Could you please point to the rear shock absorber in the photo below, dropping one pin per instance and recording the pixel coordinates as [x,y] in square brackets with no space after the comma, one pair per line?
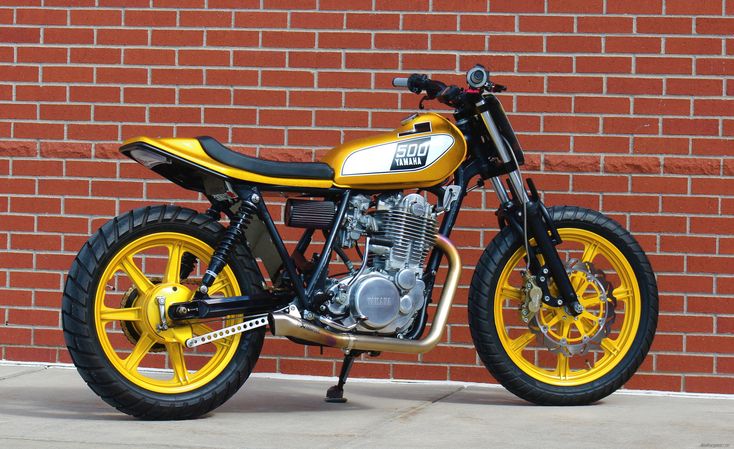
[237,227]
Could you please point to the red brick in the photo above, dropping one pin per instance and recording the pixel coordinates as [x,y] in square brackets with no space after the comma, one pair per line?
[603,64]
[68,35]
[205,19]
[42,54]
[121,36]
[690,205]
[463,42]
[149,56]
[662,106]
[575,84]
[714,66]
[482,22]
[663,65]
[698,166]
[697,46]
[360,21]
[711,25]
[428,61]
[645,86]
[516,6]
[458,5]
[317,20]
[716,108]
[605,24]
[660,145]
[690,126]
[177,38]
[664,25]
[545,64]
[682,7]
[149,18]
[627,44]
[19,35]
[231,38]
[712,147]
[710,384]
[575,44]
[98,16]
[684,363]
[631,125]
[638,7]
[401,41]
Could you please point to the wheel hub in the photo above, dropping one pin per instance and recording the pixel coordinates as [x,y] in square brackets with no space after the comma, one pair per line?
[562,332]
[151,323]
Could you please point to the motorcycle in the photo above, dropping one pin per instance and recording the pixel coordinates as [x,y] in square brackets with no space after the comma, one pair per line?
[165,308]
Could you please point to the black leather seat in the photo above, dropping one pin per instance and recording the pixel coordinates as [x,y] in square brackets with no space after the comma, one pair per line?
[308,170]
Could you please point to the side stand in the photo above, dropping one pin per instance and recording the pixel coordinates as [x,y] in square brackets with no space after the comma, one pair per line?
[336,393]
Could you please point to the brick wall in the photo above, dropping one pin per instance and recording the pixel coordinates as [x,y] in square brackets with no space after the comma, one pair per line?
[623,106]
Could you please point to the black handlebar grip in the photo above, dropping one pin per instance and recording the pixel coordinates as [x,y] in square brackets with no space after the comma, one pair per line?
[400,82]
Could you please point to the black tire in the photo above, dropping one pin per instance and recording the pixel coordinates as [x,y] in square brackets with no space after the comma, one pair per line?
[79,323]
[519,379]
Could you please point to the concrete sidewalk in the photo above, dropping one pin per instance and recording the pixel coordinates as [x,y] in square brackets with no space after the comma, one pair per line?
[52,407]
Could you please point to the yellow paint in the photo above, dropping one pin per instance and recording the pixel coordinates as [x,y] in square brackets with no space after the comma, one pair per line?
[191,150]
[430,176]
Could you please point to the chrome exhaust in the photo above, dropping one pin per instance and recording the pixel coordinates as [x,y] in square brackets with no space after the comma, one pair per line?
[291,325]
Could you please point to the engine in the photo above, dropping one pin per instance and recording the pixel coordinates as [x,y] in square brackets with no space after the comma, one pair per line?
[387,292]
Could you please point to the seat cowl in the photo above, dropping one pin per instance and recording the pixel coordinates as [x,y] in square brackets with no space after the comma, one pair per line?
[275,169]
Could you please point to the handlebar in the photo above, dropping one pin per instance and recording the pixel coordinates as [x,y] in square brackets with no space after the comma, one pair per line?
[448,95]
[400,82]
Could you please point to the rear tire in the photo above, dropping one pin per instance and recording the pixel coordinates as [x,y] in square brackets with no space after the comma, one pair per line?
[97,324]
[504,342]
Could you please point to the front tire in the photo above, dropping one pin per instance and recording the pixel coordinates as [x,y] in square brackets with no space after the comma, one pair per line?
[111,318]
[541,362]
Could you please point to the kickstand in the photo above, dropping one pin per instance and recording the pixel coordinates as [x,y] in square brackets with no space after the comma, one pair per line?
[336,392]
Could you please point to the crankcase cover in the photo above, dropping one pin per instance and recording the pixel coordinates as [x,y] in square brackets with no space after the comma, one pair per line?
[375,301]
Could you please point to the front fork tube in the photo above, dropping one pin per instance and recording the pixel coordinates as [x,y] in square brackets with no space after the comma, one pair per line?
[541,228]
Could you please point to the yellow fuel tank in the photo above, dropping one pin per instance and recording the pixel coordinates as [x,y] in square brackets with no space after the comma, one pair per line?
[422,152]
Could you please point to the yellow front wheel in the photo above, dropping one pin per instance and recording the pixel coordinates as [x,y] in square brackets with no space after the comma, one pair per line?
[547,355]
[132,266]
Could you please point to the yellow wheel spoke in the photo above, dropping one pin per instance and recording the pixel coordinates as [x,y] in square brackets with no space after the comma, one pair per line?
[129,314]
[565,327]
[518,344]
[556,318]
[511,292]
[137,277]
[219,285]
[176,359]
[610,347]
[622,294]
[578,282]
[201,329]
[591,317]
[562,367]
[581,327]
[590,251]
[145,342]
[173,268]
[589,300]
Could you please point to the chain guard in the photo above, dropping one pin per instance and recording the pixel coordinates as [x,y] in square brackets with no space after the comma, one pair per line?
[597,279]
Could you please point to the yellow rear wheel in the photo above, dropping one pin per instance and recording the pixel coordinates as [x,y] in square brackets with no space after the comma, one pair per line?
[178,373]
[556,358]
[129,354]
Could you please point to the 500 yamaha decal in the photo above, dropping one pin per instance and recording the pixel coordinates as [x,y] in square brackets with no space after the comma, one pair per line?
[398,156]
[411,154]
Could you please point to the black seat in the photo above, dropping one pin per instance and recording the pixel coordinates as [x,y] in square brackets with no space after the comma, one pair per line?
[308,170]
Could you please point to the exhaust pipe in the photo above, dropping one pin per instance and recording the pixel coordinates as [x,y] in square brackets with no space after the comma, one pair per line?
[286,325]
